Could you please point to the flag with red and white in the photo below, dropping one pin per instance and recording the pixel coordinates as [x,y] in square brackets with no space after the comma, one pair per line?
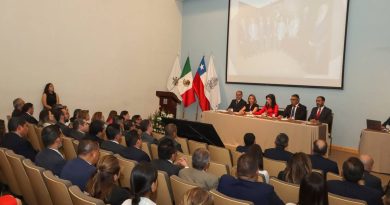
[185,85]
[198,85]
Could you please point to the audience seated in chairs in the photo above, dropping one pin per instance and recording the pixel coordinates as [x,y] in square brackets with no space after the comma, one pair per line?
[249,139]
[297,168]
[246,186]
[318,161]
[369,179]
[46,118]
[79,170]
[28,111]
[96,131]
[147,129]
[167,155]
[197,173]
[279,152]
[353,170]
[171,133]
[256,152]
[103,185]
[15,139]
[143,182]
[198,196]
[313,190]
[114,136]
[79,128]
[51,158]
[133,150]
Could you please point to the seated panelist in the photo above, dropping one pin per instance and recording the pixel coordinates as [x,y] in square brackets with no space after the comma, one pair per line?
[251,106]
[295,110]
[270,108]
[237,104]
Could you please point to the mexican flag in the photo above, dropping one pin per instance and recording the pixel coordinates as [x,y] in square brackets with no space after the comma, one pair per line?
[185,84]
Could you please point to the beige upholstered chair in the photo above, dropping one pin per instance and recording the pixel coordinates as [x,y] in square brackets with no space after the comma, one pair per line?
[21,177]
[221,199]
[68,147]
[79,198]
[154,151]
[9,174]
[146,149]
[33,137]
[187,157]
[193,145]
[340,200]
[235,156]
[58,188]
[123,141]
[273,166]
[286,191]
[180,187]
[220,155]
[333,176]
[164,193]
[38,130]
[184,144]
[127,166]
[104,152]
[34,173]
[218,169]
[76,145]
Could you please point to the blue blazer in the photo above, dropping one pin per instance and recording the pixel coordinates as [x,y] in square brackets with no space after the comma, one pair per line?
[355,191]
[78,171]
[256,192]
[321,163]
[19,145]
[112,146]
[278,153]
[135,154]
[51,160]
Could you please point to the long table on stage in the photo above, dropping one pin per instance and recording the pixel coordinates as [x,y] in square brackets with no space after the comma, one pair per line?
[377,145]
[231,129]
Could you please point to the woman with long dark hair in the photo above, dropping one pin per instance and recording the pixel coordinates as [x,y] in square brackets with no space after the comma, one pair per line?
[256,152]
[297,168]
[49,97]
[313,190]
[143,182]
[270,108]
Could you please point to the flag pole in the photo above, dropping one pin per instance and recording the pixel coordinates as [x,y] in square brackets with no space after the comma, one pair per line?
[183,111]
[197,111]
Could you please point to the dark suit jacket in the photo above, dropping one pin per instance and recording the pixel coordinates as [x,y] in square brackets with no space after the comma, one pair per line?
[16,113]
[355,191]
[51,160]
[78,171]
[118,196]
[324,164]
[148,138]
[135,154]
[278,153]
[30,119]
[177,145]
[256,192]
[19,145]
[166,166]
[372,182]
[325,116]
[65,129]
[75,134]
[242,149]
[93,138]
[237,106]
[112,146]
[300,112]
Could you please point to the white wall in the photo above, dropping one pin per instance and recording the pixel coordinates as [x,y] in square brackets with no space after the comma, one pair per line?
[99,54]
[366,74]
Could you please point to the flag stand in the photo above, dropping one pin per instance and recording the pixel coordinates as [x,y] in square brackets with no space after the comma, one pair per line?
[183,111]
[197,111]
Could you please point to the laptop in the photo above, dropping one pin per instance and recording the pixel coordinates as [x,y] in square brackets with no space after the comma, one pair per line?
[374,125]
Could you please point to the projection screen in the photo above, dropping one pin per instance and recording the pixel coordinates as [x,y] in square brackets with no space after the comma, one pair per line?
[287,42]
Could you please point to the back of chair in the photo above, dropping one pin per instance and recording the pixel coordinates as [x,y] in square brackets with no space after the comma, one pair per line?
[184,144]
[58,188]
[154,151]
[221,199]
[127,166]
[235,156]
[218,169]
[69,150]
[9,174]
[79,198]
[333,176]
[180,187]
[164,193]
[273,166]
[187,157]
[220,155]
[286,191]
[38,130]
[156,135]
[123,141]
[104,152]
[34,173]
[33,137]
[340,200]
[21,177]
[145,148]
[193,145]
[318,171]
[75,145]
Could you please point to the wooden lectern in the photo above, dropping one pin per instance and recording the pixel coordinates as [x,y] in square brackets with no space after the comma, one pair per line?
[168,102]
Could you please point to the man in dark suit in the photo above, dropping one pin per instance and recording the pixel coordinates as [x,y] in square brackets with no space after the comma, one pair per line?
[96,131]
[369,179]
[353,170]
[114,135]
[15,139]
[79,170]
[59,115]
[246,187]
[237,104]
[167,161]
[318,161]
[171,133]
[50,158]
[295,110]
[249,140]
[28,111]
[133,150]
[279,152]
[18,105]
[321,113]
[79,128]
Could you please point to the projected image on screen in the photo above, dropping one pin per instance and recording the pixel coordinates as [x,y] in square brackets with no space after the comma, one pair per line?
[287,42]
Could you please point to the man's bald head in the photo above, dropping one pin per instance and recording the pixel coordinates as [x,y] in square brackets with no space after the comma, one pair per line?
[367,161]
[320,147]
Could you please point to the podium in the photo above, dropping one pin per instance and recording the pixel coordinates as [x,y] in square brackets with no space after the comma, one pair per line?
[168,102]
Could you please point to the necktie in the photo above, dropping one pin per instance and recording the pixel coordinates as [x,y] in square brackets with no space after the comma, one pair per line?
[293,112]
[318,113]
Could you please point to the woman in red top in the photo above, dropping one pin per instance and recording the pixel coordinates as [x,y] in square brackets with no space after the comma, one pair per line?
[270,108]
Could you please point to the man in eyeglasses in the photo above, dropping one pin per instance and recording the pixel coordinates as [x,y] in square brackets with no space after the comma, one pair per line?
[295,110]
